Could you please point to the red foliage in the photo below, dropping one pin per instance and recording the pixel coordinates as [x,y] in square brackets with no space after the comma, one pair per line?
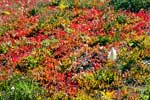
[16,55]
[139,27]
[38,38]
[72,90]
[59,33]
[143,15]
[21,33]
[80,49]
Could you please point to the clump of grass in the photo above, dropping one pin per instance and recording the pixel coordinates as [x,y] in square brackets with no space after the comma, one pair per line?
[19,87]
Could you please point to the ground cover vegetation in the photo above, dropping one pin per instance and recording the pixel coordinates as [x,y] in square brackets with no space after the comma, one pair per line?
[61,50]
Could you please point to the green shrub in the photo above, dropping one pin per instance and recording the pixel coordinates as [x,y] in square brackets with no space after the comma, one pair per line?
[128,60]
[3,61]
[121,19]
[136,43]
[33,12]
[55,2]
[29,62]
[4,29]
[108,26]
[133,5]
[19,87]
[3,48]
[105,76]
[85,4]
[145,93]
[63,3]
[103,40]
[77,3]
[67,3]
[47,42]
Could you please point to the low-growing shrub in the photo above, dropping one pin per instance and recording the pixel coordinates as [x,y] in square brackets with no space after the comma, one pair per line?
[145,93]
[4,29]
[3,48]
[19,87]
[121,19]
[33,12]
[108,26]
[29,62]
[105,76]
[63,3]
[133,5]
[103,40]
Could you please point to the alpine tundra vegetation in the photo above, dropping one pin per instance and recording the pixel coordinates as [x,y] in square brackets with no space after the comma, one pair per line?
[74,49]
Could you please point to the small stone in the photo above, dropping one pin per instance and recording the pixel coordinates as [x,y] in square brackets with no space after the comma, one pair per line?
[112,54]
